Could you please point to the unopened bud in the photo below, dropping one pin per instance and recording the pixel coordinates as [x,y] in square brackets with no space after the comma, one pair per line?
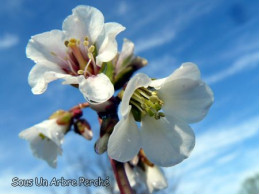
[57,114]
[83,128]
[101,144]
[77,113]
[63,117]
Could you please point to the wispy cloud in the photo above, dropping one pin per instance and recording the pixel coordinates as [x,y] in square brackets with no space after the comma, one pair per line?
[154,40]
[8,41]
[160,66]
[123,7]
[11,6]
[216,159]
[181,18]
[9,173]
[223,137]
[245,62]
[227,158]
[165,30]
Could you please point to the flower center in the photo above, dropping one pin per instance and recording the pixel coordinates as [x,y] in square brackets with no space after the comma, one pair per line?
[145,101]
[79,58]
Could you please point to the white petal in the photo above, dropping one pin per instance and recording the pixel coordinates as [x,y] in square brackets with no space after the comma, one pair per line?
[127,51]
[46,46]
[96,89]
[166,142]
[187,70]
[106,42]
[139,80]
[84,21]
[52,130]
[48,148]
[45,150]
[155,179]
[124,142]
[131,175]
[157,83]
[186,99]
[40,75]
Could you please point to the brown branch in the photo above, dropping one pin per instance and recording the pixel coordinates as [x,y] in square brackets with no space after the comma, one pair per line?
[121,177]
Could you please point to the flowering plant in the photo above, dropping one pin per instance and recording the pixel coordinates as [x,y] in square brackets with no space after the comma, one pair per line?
[154,128]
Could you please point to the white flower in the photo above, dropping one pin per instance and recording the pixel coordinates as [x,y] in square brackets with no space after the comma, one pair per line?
[125,56]
[145,180]
[154,178]
[75,52]
[125,64]
[45,140]
[164,133]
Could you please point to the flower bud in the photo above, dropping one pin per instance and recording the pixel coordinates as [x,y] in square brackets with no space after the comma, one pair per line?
[62,117]
[77,113]
[101,144]
[83,128]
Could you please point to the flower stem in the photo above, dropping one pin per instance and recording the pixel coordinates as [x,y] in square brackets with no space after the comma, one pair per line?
[107,121]
[121,177]
[80,106]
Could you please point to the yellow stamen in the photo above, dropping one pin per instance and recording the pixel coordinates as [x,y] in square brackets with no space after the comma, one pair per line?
[80,72]
[73,44]
[91,49]
[86,43]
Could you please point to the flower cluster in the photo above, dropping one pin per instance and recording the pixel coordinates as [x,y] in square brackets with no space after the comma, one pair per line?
[155,113]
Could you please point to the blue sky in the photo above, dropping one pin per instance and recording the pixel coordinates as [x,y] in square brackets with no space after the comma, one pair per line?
[221,37]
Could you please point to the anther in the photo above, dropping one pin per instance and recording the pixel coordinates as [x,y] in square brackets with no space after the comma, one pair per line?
[86,43]
[42,136]
[80,72]
[91,49]
[73,42]
[66,43]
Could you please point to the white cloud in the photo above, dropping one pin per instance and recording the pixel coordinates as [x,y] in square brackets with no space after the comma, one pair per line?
[156,40]
[181,18]
[220,139]
[8,41]
[227,158]
[9,173]
[218,163]
[245,62]
[175,25]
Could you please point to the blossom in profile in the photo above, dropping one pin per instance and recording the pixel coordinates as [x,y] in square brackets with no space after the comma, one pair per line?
[46,138]
[164,108]
[151,176]
[76,54]
[126,63]
[154,179]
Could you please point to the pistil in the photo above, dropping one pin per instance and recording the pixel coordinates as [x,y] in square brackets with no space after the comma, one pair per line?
[74,45]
